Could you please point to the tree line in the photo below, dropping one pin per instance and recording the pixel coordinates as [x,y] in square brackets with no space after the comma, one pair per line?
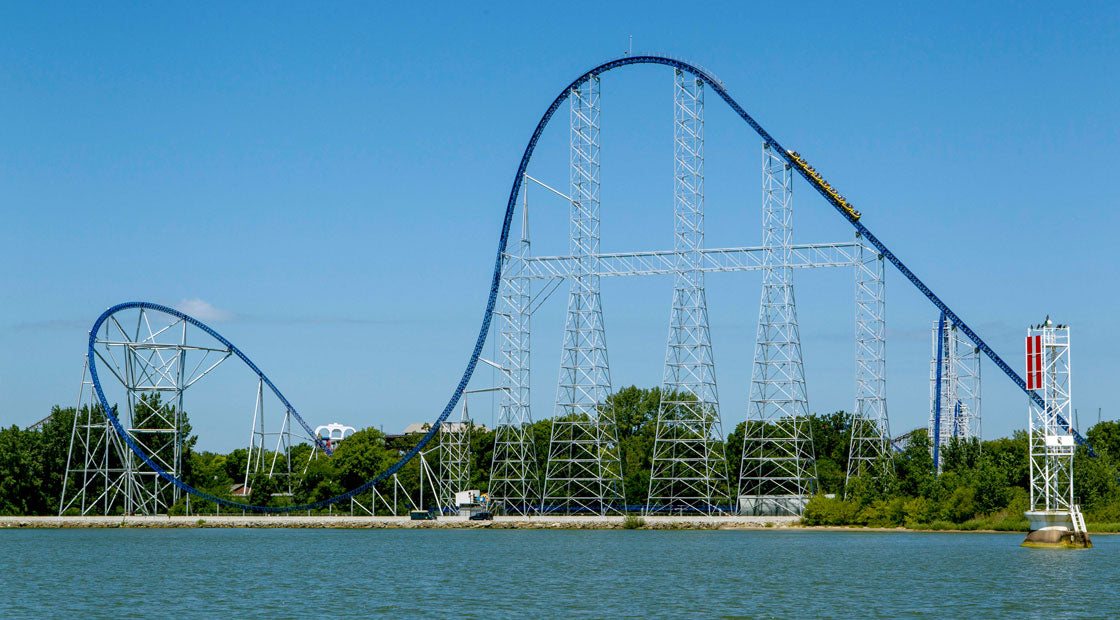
[982,484]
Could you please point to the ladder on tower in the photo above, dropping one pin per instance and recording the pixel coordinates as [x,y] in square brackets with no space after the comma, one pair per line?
[1078,520]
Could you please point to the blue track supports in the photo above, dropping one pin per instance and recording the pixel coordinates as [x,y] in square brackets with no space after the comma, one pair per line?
[940,371]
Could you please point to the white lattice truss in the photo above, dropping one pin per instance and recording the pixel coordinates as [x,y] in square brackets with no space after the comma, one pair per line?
[583,469]
[960,399]
[870,446]
[1052,445]
[584,472]
[155,364]
[688,469]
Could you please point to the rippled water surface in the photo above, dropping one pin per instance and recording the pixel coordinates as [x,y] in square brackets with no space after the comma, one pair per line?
[505,573]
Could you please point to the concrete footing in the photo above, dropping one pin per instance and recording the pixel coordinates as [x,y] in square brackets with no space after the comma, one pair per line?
[772,505]
[1054,530]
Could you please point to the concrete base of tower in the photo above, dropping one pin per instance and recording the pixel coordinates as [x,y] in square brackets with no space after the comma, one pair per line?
[772,505]
[1053,529]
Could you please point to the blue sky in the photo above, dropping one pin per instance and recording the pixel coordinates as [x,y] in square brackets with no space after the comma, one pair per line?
[326,184]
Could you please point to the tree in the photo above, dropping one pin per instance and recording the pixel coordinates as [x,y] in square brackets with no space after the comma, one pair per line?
[635,411]
[361,456]
[1105,437]
[262,487]
[635,414]
[21,473]
[319,481]
[832,441]
[53,447]
[914,467]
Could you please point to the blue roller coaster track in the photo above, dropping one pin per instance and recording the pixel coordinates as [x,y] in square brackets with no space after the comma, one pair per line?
[472,362]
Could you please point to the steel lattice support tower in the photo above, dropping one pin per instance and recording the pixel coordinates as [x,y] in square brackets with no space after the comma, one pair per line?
[954,379]
[260,439]
[153,373]
[778,471]
[1052,445]
[149,359]
[688,470]
[455,458]
[584,472]
[870,432]
[513,472]
[98,462]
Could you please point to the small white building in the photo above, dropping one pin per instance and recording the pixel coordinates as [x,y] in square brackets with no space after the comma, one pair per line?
[335,432]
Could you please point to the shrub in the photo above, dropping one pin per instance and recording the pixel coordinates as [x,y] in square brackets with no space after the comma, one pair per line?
[823,510]
[883,513]
[918,511]
[633,522]
[960,505]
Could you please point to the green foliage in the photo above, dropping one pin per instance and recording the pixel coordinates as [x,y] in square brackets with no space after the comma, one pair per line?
[635,413]
[960,506]
[1105,438]
[361,457]
[633,522]
[21,473]
[831,443]
[261,489]
[884,513]
[983,485]
[823,510]
[318,482]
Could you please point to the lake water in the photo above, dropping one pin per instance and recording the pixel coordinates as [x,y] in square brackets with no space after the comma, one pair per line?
[534,573]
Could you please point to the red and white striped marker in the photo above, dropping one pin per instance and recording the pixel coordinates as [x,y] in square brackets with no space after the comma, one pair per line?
[1034,362]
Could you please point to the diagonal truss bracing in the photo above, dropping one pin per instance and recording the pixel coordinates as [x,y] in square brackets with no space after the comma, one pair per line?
[716,260]
[870,430]
[584,472]
[513,472]
[149,356]
[1051,435]
[954,379]
[688,471]
[778,471]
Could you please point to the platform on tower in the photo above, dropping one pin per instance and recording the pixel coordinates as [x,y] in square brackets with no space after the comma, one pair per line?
[1055,529]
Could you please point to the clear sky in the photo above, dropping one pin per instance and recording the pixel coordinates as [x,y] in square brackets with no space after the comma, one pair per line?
[325,185]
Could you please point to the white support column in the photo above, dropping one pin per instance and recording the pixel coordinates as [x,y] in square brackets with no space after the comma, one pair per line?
[688,470]
[1055,518]
[584,473]
[1052,444]
[513,473]
[870,432]
[778,470]
[955,398]
[454,458]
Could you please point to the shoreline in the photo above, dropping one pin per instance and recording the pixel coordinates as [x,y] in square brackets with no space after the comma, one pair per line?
[387,522]
[453,522]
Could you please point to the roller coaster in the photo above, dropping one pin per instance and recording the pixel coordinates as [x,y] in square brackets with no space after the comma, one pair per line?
[585,84]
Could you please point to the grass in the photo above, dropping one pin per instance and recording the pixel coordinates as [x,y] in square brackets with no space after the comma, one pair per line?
[633,522]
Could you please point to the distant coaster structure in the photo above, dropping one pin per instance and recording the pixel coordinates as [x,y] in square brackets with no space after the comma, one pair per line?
[688,473]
